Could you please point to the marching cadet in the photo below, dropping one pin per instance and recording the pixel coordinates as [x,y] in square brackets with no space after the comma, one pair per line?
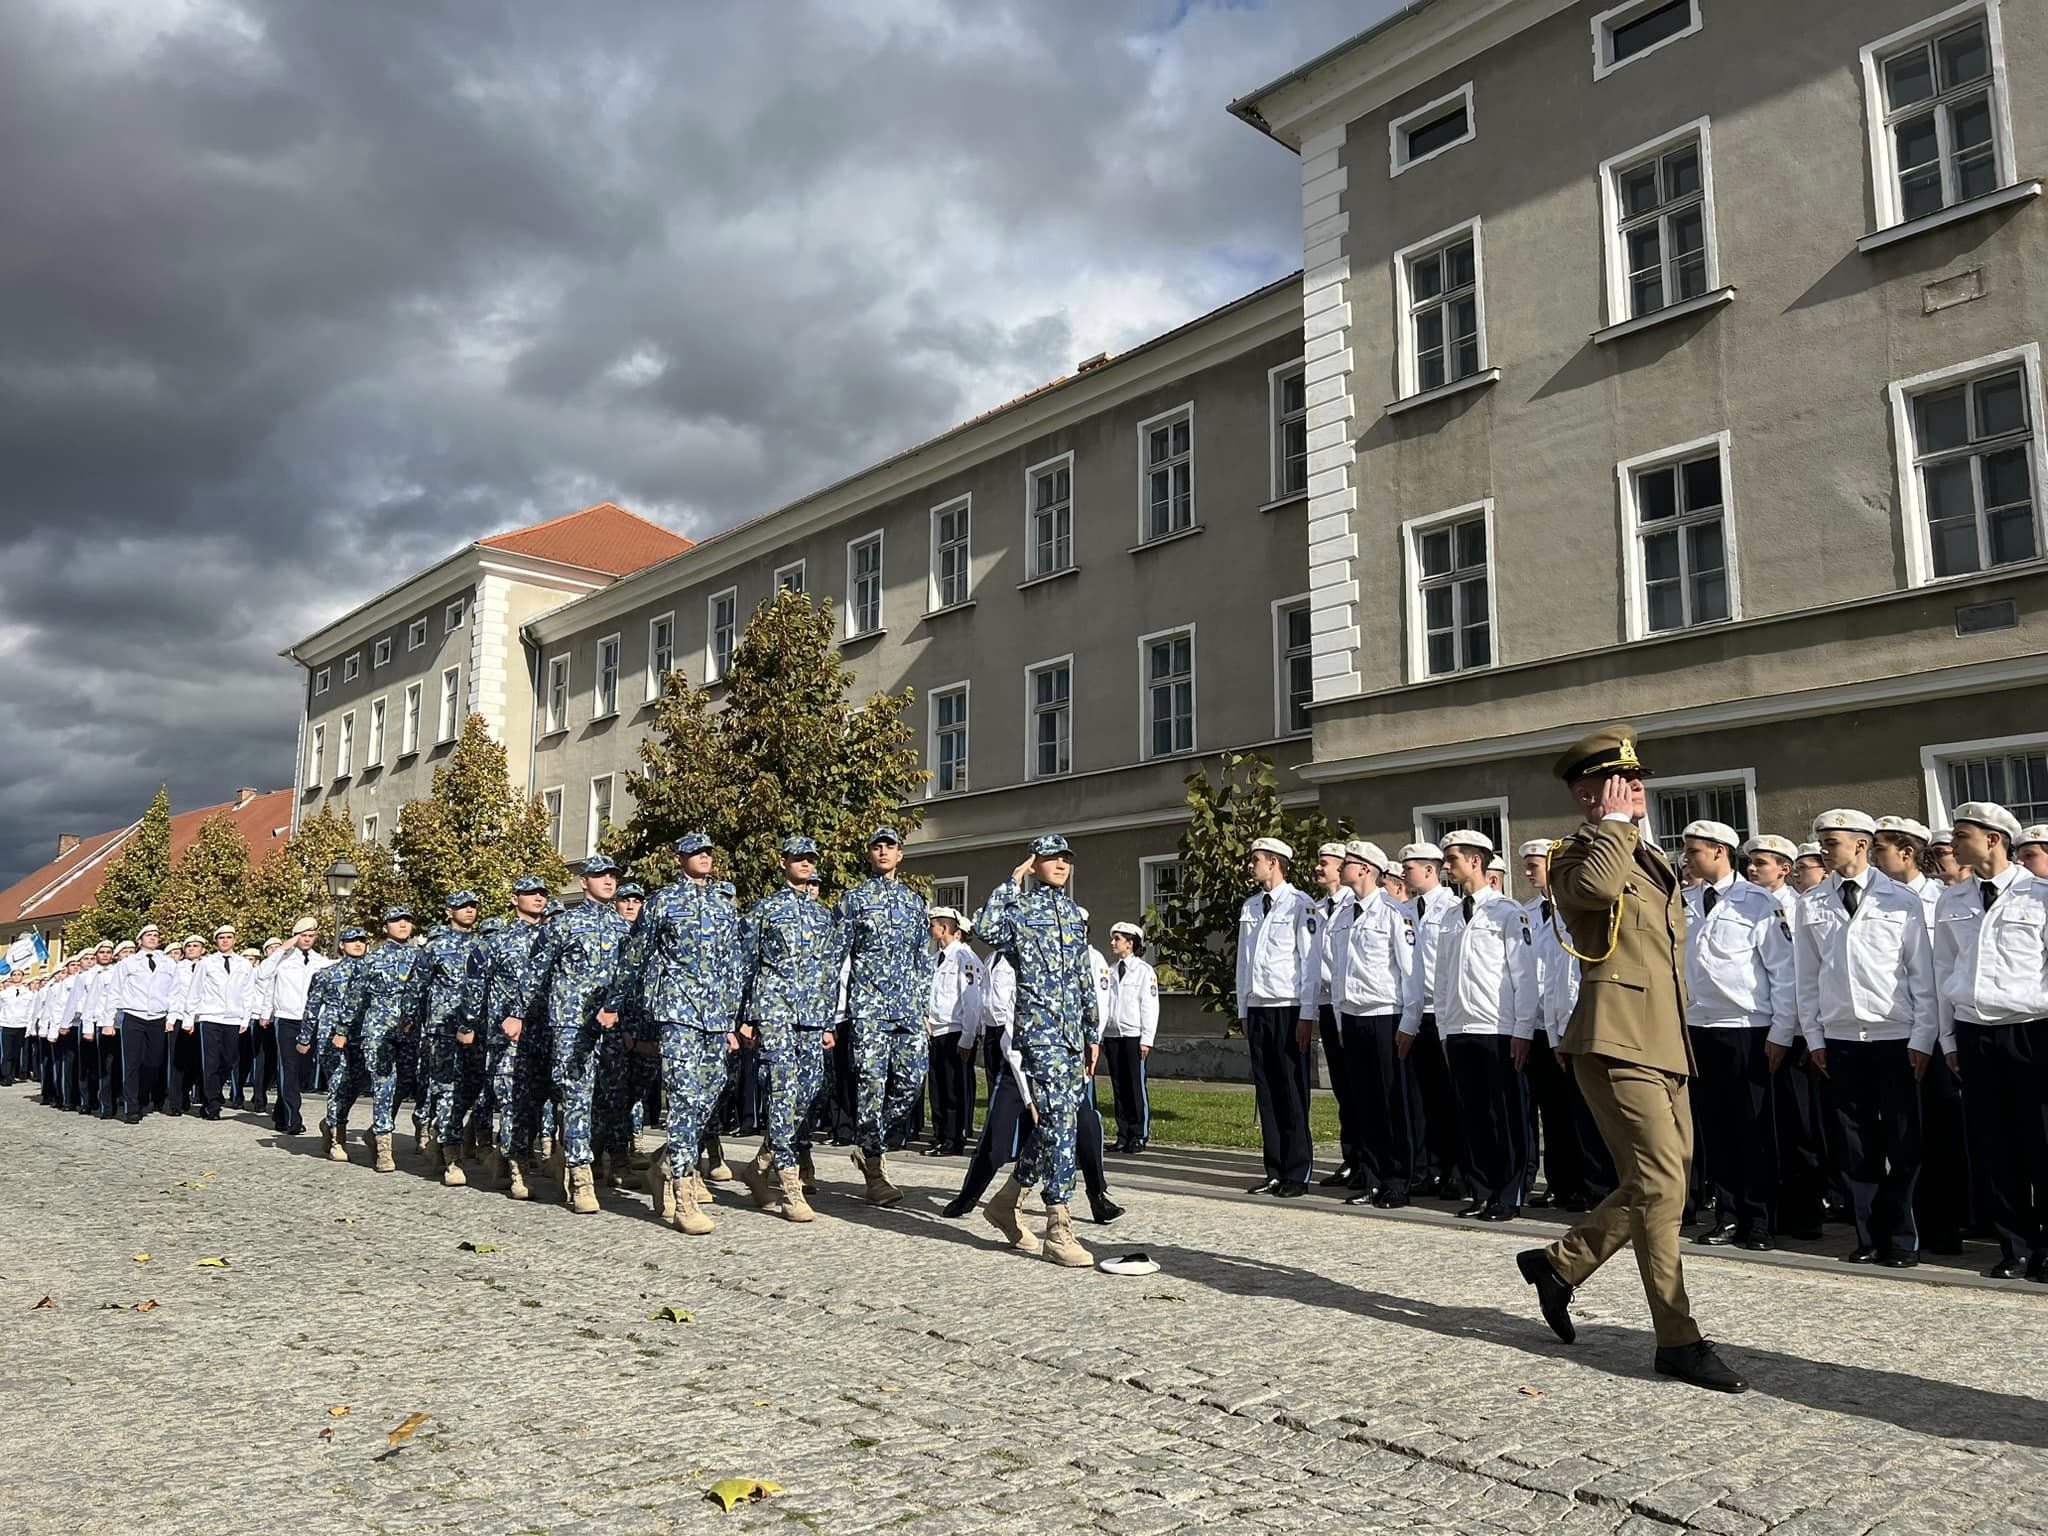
[332,996]
[882,940]
[1056,1024]
[2032,850]
[261,1039]
[1372,951]
[1010,1114]
[450,1060]
[60,1032]
[1809,869]
[789,984]
[955,998]
[1577,1172]
[1867,1009]
[219,997]
[84,1004]
[1767,865]
[1486,1012]
[385,1003]
[1276,958]
[685,955]
[1941,856]
[1497,873]
[285,978]
[187,1060]
[106,1089]
[142,1002]
[13,1027]
[1433,1114]
[517,1051]
[618,1059]
[1332,908]
[1739,985]
[1991,969]
[1130,1023]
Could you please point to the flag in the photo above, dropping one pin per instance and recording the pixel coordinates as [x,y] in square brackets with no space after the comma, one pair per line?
[31,949]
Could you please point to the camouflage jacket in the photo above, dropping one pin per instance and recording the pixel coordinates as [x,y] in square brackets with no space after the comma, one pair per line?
[684,956]
[451,956]
[334,993]
[575,966]
[882,936]
[391,993]
[497,981]
[786,948]
[1042,933]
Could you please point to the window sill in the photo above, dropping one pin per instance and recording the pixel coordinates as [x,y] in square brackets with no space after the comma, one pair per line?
[1168,757]
[1668,313]
[1058,575]
[604,714]
[553,730]
[934,613]
[863,637]
[1166,538]
[449,741]
[1990,573]
[1296,499]
[1479,380]
[2018,192]
[409,753]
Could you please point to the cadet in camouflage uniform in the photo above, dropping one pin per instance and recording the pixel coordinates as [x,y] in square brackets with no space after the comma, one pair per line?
[516,1047]
[327,1000]
[882,939]
[575,972]
[786,954]
[685,957]
[617,1071]
[1046,939]
[384,1006]
[449,1054]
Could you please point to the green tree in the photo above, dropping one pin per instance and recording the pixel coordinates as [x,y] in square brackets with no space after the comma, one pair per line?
[471,830]
[1192,932]
[785,751]
[381,885]
[129,892]
[291,882]
[206,885]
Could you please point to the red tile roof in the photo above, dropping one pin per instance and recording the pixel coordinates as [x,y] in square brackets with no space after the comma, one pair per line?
[604,538]
[59,891]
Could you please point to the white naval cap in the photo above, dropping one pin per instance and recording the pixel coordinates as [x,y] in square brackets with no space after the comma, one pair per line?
[1905,824]
[305,925]
[225,928]
[1331,850]
[1982,813]
[146,928]
[1272,845]
[1770,842]
[1128,930]
[1361,852]
[1535,848]
[2037,833]
[1943,836]
[1422,851]
[1713,832]
[1497,865]
[191,938]
[1808,851]
[1843,819]
[951,915]
[1467,839]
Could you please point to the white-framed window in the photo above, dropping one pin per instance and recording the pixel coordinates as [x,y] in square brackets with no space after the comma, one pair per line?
[351,666]
[1938,113]
[1166,474]
[1490,816]
[555,714]
[415,634]
[947,752]
[1679,554]
[1624,33]
[951,891]
[1287,403]
[1430,129]
[1158,880]
[1049,516]
[2011,771]
[1294,666]
[316,755]
[369,829]
[1441,284]
[1675,803]
[721,632]
[345,760]
[864,585]
[551,802]
[1659,203]
[1451,621]
[604,693]
[790,577]
[380,654]
[451,703]
[661,652]
[1049,718]
[952,550]
[1972,464]
[322,680]
[409,722]
[600,810]
[1166,663]
[451,617]
[373,754]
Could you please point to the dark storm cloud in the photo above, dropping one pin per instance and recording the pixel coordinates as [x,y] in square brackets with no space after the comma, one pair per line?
[285,277]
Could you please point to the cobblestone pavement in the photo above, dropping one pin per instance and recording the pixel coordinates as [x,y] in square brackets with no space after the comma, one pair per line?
[1293,1368]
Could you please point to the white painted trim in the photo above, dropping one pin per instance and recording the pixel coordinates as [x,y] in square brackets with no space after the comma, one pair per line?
[316,757]
[713,672]
[370,826]
[448,730]
[1406,381]
[964,687]
[1279,607]
[966,904]
[802,579]
[591,829]
[380,653]
[352,666]
[322,681]
[1146,864]
[416,635]
[550,724]
[1746,777]
[560,812]
[1884,176]
[848,632]
[1427,112]
[1604,26]
[345,747]
[1145,752]
[1614,259]
[1186,408]
[1275,456]
[597,709]
[654,678]
[1031,474]
[1031,670]
[1912,499]
[379,727]
[933,599]
[1934,757]
[1495,803]
[1417,670]
[1635,596]
[452,614]
[412,715]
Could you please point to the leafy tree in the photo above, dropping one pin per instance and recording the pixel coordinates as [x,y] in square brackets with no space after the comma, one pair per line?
[784,752]
[381,885]
[133,881]
[471,830]
[205,888]
[291,882]
[1192,932]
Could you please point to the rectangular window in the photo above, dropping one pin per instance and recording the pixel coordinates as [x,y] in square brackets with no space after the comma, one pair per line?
[351,667]
[1287,387]
[451,617]
[369,829]
[1443,338]
[1167,448]
[1430,129]
[600,810]
[864,586]
[1294,666]
[721,630]
[1049,505]
[1169,704]
[950,553]
[661,653]
[380,654]
[1659,199]
[451,703]
[415,634]
[1049,695]
[1450,607]
[605,696]
[409,725]
[1158,882]
[2014,775]
[373,756]
[1677,803]
[555,715]
[790,578]
[949,740]
[951,891]
[321,681]
[316,754]
[1972,493]
[1681,559]
[1938,125]
[1434,822]
[551,802]
[1625,33]
[346,761]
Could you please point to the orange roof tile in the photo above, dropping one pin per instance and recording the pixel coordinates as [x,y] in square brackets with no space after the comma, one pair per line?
[604,538]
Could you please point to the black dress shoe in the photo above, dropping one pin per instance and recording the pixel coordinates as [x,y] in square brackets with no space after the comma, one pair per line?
[131,1119]
[1387,1202]
[1265,1187]
[1291,1191]
[1106,1210]
[209,1114]
[957,1207]
[1541,1202]
[1475,1208]
[1577,1204]
[2004,1269]
[2037,1269]
[1698,1365]
[1754,1244]
[1362,1198]
[1332,1180]
[1552,1294]
[1860,1255]
[1451,1187]
[1499,1212]
[1719,1237]
[1805,1234]
[932,1151]
[1900,1258]
[1425,1189]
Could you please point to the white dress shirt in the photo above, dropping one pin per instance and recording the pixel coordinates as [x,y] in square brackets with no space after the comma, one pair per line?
[1929,891]
[1332,911]
[1130,1001]
[221,989]
[14,1007]
[1557,973]
[146,983]
[284,978]
[1485,970]
[1991,964]
[1738,960]
[999,1016]
[955,992]
[1377,950]
[53,1012]
[1276,949]
[1420,998]
[1866,978]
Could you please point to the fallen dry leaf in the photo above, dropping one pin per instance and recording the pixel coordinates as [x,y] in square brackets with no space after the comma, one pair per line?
[1530,1391]
[466,1247]
[346,1221]
[146,1306]
[892,1389]
[338,1411]
[327,1433]
[216,1262]
[729,1491]
[671,1315]
[208,1173]
[45,1302]
[407,1430]
[142,1258]
[1164,1296]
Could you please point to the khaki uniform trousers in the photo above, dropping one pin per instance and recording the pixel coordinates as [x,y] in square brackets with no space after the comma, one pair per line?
[1645,1117]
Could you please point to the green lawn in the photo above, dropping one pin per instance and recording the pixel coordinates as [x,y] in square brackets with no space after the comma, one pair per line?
[1189,1114]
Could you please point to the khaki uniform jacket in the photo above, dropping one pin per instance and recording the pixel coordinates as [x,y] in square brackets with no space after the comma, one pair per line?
[1632,1004]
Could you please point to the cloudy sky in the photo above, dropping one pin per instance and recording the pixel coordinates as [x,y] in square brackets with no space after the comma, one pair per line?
[300,295]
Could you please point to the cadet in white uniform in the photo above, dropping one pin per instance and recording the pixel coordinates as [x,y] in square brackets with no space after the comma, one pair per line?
[1433,1110]
[1331,908]
[145,985]
[1276,953]
[1372,946]
[284,978]
[13,1028]
[1767,863]
[220,998]
[955,999]
[2031,850]
[1130,1022]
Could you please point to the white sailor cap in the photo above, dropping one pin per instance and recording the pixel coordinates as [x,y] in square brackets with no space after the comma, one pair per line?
[1330,850]
[1272,845]
[1944,835]
[1535,848]
[1808,851]
[1982,813]
[225,928]
[948,914]
[1770,842]
[1497,864]
[2037,833]
[191,938]
[126,946]
[1128,930]
[146,928]
[1905,824]
[1428,851]
[1713,832]
[1361,852]
[1843,819]
[305,925]
[1467,839]
[104,944]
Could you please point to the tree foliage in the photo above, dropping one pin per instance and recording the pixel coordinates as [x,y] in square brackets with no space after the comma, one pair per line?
[1193,931]
[779,750]
[205,888]
[135,878]
[291,882]
[470,830]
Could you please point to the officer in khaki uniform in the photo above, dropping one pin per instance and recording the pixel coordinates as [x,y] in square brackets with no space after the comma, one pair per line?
[1618,901]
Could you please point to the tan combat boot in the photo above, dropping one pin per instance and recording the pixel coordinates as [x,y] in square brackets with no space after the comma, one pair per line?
[382,1146]
[754,1173]
[699,1190]
[335,1142]
[1061,1246]
[713,1164]
[1001,1213]
[880,1190]
[582,1191]
[661,1188]
[515,1179]
[794,1206]
[554,1160]
[689,1215]
[807,1171]
[451,1169]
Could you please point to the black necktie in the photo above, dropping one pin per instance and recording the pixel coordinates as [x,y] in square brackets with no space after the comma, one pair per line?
[1418,906]
[1546,909]
[1266,905]
[305,957]
[152,962]
[226,965]
[1990,890]
[1709,901]
[1468,909]
[1119,970]
[1852,896]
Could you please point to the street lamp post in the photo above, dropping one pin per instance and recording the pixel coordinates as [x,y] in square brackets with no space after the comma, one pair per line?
[341,880]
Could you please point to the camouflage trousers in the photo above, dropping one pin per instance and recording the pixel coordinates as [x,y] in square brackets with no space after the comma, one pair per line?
[611,1111]
[456,1089]
[375,1052]
[889,1063]
[692,1078]
[517,1072]
[573,1078]
[343,1070]
[1058,1079]
[407,1072]
[796,1076]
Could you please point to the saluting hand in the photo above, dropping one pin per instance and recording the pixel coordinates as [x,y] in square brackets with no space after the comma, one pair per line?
[1617,797]
[1021,871]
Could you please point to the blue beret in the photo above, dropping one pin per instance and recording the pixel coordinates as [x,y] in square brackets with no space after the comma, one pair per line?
[694,842]
[1045,847]
[799,848]
[355,936]
[529,885]
[598,864]
[884,835]
[632,888]
[393,914]
[463,898]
